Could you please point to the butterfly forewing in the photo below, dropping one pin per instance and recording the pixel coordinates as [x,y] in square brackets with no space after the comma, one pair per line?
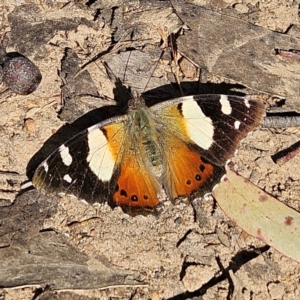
[215,124]
[87,165]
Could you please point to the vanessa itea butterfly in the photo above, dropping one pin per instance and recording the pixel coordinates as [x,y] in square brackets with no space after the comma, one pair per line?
[179,146]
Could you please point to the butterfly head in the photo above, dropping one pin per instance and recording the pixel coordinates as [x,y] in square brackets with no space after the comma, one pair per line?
[137,102]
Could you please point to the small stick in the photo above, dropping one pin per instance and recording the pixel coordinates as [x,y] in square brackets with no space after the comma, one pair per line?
[281,121]
[289,53]
[287,154]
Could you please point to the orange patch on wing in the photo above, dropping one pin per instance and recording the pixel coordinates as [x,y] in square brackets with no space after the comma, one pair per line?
[135,186]
[186,172]
[114,134]
[173,118]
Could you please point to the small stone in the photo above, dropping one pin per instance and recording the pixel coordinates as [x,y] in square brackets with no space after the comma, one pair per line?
[178,221]
[276,290]
[30,125]
[199,2]
[196,276]
[231,2]
[265,163]
[155,296]
[241,8]
[21,75]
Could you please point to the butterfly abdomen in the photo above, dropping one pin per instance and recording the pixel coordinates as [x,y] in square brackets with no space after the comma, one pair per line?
[153,157]
[146,140]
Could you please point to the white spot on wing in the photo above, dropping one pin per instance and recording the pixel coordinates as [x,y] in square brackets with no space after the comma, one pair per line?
[67,178]
[247,103]
[65,155]
[199,126]
[26,185]
[46,167]
[237,124]
[208,197]
[96,205]
[225,105]
[100,158]
[84,202]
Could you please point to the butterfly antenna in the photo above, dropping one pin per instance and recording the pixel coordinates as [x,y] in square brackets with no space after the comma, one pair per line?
[126,65]
[168,42]
[163,46]
[175,58]
[115,47]
[120,88]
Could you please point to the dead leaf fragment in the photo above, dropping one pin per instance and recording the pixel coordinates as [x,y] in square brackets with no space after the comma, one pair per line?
[259,214]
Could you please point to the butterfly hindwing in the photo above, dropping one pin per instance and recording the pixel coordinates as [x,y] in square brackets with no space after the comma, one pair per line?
[186,171]
[136,185]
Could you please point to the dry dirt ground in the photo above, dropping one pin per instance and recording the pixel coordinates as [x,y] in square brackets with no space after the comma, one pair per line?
[180,254]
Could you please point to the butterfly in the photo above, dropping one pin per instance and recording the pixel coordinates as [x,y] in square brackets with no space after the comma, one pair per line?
[178,147]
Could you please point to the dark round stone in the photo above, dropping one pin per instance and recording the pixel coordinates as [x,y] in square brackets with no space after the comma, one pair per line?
[21,75]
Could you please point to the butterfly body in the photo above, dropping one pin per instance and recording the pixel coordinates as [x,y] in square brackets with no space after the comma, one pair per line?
[178,147]
[145,130]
